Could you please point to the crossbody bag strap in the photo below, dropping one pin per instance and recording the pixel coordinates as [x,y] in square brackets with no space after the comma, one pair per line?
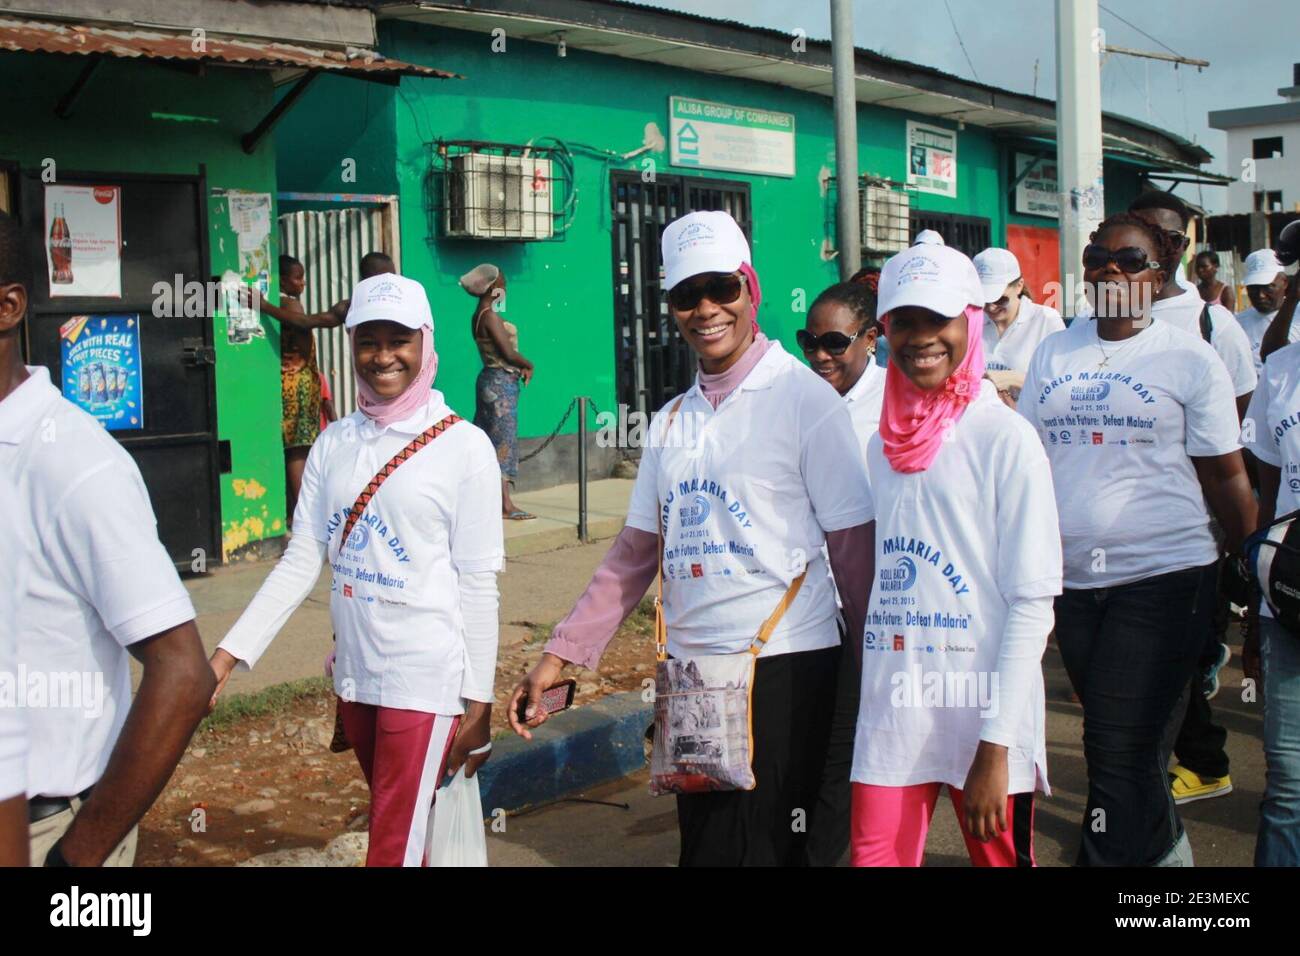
[413,446]
[765,632]
[661,626]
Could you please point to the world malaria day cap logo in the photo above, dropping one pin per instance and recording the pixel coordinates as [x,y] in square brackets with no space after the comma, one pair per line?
[900,577]
[918,269]
[697,233]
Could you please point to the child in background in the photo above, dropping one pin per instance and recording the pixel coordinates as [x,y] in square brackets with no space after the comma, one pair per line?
[968,562]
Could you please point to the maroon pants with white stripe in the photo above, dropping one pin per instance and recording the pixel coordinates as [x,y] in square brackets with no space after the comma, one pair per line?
[403,754]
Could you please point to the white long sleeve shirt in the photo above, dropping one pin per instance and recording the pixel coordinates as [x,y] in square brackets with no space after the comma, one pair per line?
[413,599]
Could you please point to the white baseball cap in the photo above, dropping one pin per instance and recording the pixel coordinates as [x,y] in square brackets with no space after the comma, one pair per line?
[702,242]
[928,237]
[938,278]
[1262,267]
[390,298]
[997,268]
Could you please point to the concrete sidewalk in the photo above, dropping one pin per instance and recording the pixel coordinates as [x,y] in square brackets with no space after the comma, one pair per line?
[546,570]
[556,524]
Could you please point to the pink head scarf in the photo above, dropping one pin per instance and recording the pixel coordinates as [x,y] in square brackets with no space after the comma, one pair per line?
[385,411]
[755,291]
[913,422]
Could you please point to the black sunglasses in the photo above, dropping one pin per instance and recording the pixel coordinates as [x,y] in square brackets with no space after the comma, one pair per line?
[722,288]
[1130,259]
[835,343]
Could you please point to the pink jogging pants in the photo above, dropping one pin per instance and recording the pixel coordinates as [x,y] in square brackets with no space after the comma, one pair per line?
[889,826]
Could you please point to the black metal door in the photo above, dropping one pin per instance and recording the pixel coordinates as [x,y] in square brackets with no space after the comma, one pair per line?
[969,234]
[653,361]
[164,235]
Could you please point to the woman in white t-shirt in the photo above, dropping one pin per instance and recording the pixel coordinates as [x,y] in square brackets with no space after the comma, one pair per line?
[1139,423]
[414,595]
[839,342]
[968,564]
[1014,323]
[1270,432]
[746,475]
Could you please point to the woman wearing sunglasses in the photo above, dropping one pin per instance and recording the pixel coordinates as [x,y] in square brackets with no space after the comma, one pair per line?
[1014,324]
[746,475]
[839,342]
[1138,421]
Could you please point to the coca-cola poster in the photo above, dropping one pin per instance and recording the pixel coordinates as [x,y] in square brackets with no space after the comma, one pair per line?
[101,368]
[83,249]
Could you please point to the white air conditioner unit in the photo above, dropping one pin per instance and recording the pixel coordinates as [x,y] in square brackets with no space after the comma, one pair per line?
[491,196]
[884,213]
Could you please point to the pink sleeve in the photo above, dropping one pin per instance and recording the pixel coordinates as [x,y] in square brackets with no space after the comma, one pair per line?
[617,585]
[853,563]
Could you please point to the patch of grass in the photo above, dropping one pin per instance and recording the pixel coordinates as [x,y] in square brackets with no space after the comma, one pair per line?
[271,700]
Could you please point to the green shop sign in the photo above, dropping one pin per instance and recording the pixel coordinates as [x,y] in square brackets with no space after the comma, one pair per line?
[740,139]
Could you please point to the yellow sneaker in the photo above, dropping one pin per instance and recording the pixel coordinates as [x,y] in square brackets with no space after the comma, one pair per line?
[1188,787]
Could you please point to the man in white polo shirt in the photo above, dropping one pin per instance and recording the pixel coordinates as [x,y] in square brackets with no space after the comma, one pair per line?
[1265,284]
[13,721]
[99,584]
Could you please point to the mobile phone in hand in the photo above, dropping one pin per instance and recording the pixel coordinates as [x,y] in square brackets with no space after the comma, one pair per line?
[556,698]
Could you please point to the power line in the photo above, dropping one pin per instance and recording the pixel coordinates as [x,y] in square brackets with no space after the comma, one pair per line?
[957,34]
[1137,28]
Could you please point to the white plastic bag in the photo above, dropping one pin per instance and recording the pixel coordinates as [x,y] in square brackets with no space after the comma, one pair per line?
[456,835]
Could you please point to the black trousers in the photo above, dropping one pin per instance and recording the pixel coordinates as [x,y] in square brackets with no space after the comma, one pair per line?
[793,704]
[828,823]
[1200,744]
[1130,651]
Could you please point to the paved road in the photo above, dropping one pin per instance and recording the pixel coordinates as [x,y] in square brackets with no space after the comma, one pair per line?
[540,588]
[1222,830]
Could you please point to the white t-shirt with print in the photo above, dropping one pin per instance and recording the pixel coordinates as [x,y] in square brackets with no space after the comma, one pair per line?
[394,601]
[1255,323]
[1271,429]
[865,400]
[1121,422]
[744,495]
[956,545]
[13,582]
[1227,338]
[99,580]
[1013,349]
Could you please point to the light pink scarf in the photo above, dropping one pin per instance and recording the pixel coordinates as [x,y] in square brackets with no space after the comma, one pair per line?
[913,422]
[385,411]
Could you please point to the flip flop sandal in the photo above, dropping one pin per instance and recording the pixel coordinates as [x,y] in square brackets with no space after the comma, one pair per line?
[518,515]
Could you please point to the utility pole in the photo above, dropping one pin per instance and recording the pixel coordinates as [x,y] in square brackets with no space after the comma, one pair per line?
[1079,43]
[848,234]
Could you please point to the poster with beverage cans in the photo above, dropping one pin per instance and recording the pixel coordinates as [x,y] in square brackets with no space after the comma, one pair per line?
[83,231]
[101,368]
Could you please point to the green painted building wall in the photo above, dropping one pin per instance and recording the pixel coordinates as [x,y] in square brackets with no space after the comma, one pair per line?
[114,128]
[561,293]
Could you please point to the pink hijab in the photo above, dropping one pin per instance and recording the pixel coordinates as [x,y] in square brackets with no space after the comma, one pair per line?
[755,291]
[913,422]
[385,411]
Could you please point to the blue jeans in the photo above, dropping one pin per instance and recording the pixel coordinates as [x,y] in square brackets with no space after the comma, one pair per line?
[1278,843]
[1130,651]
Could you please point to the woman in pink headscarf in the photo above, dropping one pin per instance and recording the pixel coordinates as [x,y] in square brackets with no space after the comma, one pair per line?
[969,559]
[404,500]
[746,475]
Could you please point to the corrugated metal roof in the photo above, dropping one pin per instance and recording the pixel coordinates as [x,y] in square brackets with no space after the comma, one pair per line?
[34,36]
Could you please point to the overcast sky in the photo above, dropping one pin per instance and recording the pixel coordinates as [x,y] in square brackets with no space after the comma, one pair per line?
[1251,46]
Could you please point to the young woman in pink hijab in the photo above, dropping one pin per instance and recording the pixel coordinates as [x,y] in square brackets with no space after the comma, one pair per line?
[414,595]
[969,558]
[745,475]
